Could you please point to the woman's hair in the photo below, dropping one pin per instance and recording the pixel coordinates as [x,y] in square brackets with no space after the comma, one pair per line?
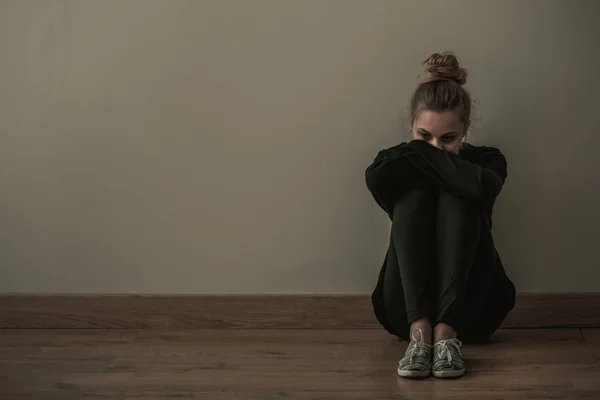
[442,89]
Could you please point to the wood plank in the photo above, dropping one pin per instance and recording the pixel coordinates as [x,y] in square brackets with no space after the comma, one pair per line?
[592,339]
[51,394]
[64,337]
[320,380]
[591,335]
[536,336]
[232,349]
[259,311]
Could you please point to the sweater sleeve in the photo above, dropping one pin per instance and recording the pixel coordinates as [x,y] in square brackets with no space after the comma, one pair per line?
[494,171]
[390,174]
[417,162]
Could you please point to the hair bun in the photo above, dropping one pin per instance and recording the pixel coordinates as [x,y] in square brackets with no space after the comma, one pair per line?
[444,67]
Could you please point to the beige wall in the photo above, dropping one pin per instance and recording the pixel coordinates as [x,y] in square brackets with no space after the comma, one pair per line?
[219,146]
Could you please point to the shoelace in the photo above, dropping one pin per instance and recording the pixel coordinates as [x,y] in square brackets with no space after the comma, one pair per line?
[414,350]
[445,348]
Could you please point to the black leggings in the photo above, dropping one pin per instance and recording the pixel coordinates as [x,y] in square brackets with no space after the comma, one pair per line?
[441,266]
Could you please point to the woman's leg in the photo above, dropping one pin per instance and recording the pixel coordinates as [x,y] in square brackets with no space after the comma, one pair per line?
[410,272]
[458,230]
[393,307]
[409,283]
[490,294]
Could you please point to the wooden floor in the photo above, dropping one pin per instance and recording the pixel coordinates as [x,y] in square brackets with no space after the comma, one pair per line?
[286,364]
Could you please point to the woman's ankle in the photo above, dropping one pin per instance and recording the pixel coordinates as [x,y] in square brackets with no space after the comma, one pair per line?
[421,330]
[443,331]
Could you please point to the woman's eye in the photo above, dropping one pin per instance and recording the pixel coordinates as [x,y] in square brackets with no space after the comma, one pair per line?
[426,138]
[448,139]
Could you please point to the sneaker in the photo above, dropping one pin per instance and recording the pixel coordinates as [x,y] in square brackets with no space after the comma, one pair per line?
[447,359]
[417,360]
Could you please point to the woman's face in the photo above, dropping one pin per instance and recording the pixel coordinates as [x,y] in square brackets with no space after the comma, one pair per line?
[443,130]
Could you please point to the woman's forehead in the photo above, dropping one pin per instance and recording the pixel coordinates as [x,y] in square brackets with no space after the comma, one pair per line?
[438,123]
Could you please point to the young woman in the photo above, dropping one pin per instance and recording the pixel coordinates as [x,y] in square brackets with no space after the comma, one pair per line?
[442,280]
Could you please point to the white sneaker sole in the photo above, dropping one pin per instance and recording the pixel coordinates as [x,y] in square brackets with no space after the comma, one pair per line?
[448,374]
[413,374]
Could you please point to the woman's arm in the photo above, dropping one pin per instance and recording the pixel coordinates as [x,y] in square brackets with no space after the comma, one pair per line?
[494,169]
[391,174]
[480,175]
[396,169]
